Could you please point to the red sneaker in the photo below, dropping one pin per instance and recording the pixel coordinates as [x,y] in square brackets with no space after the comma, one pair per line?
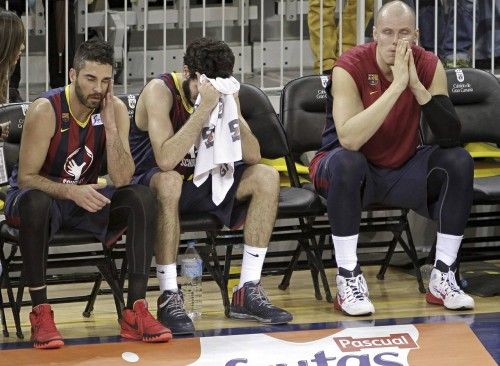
[139,324]
[44,333]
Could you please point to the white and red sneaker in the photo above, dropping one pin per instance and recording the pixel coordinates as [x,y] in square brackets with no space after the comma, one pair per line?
[352,293]
[444,290]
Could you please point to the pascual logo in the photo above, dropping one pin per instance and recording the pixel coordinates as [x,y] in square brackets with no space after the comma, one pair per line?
[460,75]
[385,346]
[351,344]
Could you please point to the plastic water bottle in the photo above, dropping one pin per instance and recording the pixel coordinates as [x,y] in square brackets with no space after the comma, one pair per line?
[191,271]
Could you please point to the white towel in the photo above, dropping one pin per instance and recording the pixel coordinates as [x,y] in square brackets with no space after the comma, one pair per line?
[219,145]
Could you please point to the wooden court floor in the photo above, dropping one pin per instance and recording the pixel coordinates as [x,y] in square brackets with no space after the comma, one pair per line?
[396,299]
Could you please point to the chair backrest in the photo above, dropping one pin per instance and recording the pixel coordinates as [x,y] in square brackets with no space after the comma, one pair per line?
[303,112]
[130,101]
[476,96]
[258,111]
[15,115]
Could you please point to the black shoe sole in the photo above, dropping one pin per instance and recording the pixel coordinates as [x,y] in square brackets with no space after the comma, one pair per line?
[254,317]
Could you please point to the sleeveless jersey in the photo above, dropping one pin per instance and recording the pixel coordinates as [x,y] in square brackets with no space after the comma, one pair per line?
[397,138]
[76,150]
[140,144]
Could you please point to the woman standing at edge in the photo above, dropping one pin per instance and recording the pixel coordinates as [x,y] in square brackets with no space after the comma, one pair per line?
[11,45]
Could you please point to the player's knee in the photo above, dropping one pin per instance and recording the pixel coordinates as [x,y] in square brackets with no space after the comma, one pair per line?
[463,161]
[168,186]
[266,180]
[347,168]
[34,202]
[137,195]
[457,161]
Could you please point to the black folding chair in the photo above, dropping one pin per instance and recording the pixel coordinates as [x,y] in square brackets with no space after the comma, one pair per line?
[476,96]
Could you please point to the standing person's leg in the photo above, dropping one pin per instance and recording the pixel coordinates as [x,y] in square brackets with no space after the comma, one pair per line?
[33,212]
[329,41]
[260,185]
[450,194]
[349,23]
[135,206]
[426,25]
[464,35]
[57,36]
[167,187]
[14,97]
[340,178]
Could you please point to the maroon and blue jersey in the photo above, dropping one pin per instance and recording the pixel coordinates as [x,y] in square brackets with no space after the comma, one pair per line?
[76,149]
[140,144]
[397,139]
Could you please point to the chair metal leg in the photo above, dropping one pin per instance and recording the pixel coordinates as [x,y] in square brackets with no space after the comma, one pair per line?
[93,295]
[317,257]
[208,253]
[227,264]
[388,257]
[315,280]
[5,282]
[285,281]
[414,257]
[412,253]
[123,272]
[314,271]
[108,269]
[2,312]
[16,304]
[318,263]
[319,247]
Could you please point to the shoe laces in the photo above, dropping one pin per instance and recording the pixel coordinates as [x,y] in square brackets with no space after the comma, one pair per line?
[258,295]
[175,305]
[355,289]
[449,284]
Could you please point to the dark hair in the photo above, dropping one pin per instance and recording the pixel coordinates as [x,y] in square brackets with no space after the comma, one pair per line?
[210,57]
[94,50]
[11,39]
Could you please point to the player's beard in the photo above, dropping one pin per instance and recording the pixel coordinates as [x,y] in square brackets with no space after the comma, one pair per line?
[187,91]
[85,100]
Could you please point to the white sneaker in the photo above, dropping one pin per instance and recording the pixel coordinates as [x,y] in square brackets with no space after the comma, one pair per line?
[352,293]
[444,290]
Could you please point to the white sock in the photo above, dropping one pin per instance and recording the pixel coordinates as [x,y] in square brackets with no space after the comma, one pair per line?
[167,275]
[447,248]
[345,251]
[251,267]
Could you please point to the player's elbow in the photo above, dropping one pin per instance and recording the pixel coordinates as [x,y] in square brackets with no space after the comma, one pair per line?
[166,165]
[22,181]
[253,158]
[350,143]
